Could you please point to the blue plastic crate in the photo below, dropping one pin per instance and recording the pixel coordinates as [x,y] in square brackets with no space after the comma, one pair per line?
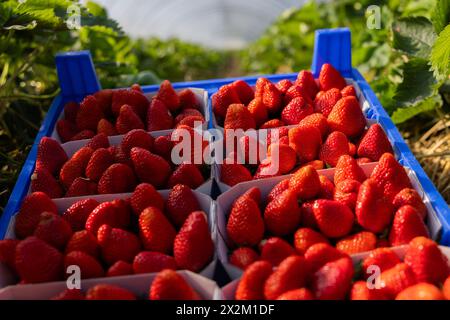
[78,78]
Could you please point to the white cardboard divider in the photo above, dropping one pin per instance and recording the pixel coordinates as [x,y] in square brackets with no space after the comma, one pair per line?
[229,290]
[206,204]
[225,201]
[138,284]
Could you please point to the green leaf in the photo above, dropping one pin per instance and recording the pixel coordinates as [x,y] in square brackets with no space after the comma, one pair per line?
[403,114]
[413,36]
[440,55]
[440,16]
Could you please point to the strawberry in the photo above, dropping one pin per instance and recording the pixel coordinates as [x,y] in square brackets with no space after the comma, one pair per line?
[287,157]
[347,117]
[346,192]
[296,111]
[374,143]
[326,100]
[193,234]
[188,137]
[187,99]
[120,268]
[326,188]
[306,141]
[244,91]
[109,292]
[335,146]
[187,174]
[181,202]
[308,219]
[8,250]
[81,187]
[259,86]
[149,262]
[136,138]
[291,274]
[396,279]
[30,211]
[297,294]
[120,156]
[100,160]
[251,284]
[360,291]
[320,254]
[128,120]
[334,219]
[66,129]
[187,113]
[305,183]
[421,291]
[163,147]
[333,280]
[83,241]
[316,120]
[383,258]
[271,98]
[117,244]
[89,114]
[168,96]
[305,238]
[275,250]
[150,167]
[104,99]
[282,216]
[118,178]
[411,197]
[76,166]
[136,87]
[316,164]
[69,294]
[238,117]
[50,155]
[358,242]
[234,173]
[245,226]
[305,80]
[53,229]
[274,123]
[78,213]
[407,225]
[351,149]
[115,213]
[98,141]
[192,121]
[259,111]
[83,135]
[241,257]
[89,266]
[427,261]
[348,91]
[284,85]
[133,98]
[155,231]
[159,117]
[36,261]
[329,78]
[42,180]
[106,127]
[361,161]
[267,168]
[446,288]
[70,111]
[296,92]
[169,285]
[348,168]
[277,190]
[145,195]
[226,96]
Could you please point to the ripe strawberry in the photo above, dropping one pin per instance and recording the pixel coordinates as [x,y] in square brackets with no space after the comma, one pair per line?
[282,216]
[244,91]
[53,229]
[291,274]
[348,91]
[277,190]
[81,187]
[306,142]
[109,292]
[305,183]
[50,155]
[128,120]
[316,164]
[89,266]
[71,110]
[78,213]
[275,250]
[361,161]
[187,174]
[351,149]
[346,192]
[267,168]
[150,167]
[421,291]
[259,111]
[383,258]
[193,234]
[348,168]
[334,219]
[106,127]
[89,114]
[347,117]
[283,156]
[180,203]
[69,294]
[136,138]
[120,268]
[118,178]
[406,226]
[250,150]
[75,167]
[238,117]
[100,160]
[117,244]
[360,291]
[30,211]
[155,231]
[271,98]
[104,99]
[321,253]
[296,91]
[396,279]
[187,99]
[374,143]
[133,98]
[259,86]
[305,238]
[245,226]
[7,252]
[192,121]
[66,129]
[446,288]
[168,96]
[411,197]
[333,280]
[120,156]
[284,85]
[149,262]
[308,219]
[226,96]
[36,261]
[333,148]
[427,261]
[163,147]
[234,173]
[145,195]
[189,138]
[83,241]
[297,294]
[274,123]
[187,113]
[329,78]
[251,285]
[169,285]
[296,111]
[83,135]
[305,80]
[326,188]
[98,141]
[326,100]
[241,257]
[115,213]
[316,120]
[358,242]
[159,117]
[42,180]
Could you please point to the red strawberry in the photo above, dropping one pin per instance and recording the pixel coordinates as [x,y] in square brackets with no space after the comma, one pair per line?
[187,174]
[245,225]
[274,123]
[296,92]
[150,167]
[53,229]
[286,158]
[117,244]
[305,80]
[89,114]
[169,285]
[306,142]
[120,268]
[277,190]
[120,156]
[181,202]
[158,116]
[254,193]
[407,225]
[75,167]
[282,216]
[275,250]
[383,258]
[316,164]
[271,98]
[346,192]
[30,211]
[104,99]
[334,219]
[251,285]
[145,195]
[187,99]
[163,147]
[326,100]
[358,242]
[187,113]
[333,280]
[363,160]
[168,96]
[308,218]
[297,294]
[421,291]
[374,143]
[128,120]
[7,252]
[348,168]
[234,173]
[66,129]
[118,178]
[133,98]
[155,231]
[36,261]
[83,241]
[78,213]
[136,138]
[244,91]
[222,99]
[360,291]
[98,141]
[411,197]
[69,294]
[89,266]
[42,180]
[320,254]
[149,262]
[109,292]
[259,87]
[238,117]
[71,110]
[348,91]
[334,147]
[50,155]
[347,117]
[329,78]
[106,127]
[259,111]
[446,288]
[305,183]
[100,160]
[81,187]
[296,111]
[305,238]
[291,274]
[326,188]
[192,121]
[396,279]
[243,257]
[284,85]
[83,135]
[115,213]
[351,149]
[317,121]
